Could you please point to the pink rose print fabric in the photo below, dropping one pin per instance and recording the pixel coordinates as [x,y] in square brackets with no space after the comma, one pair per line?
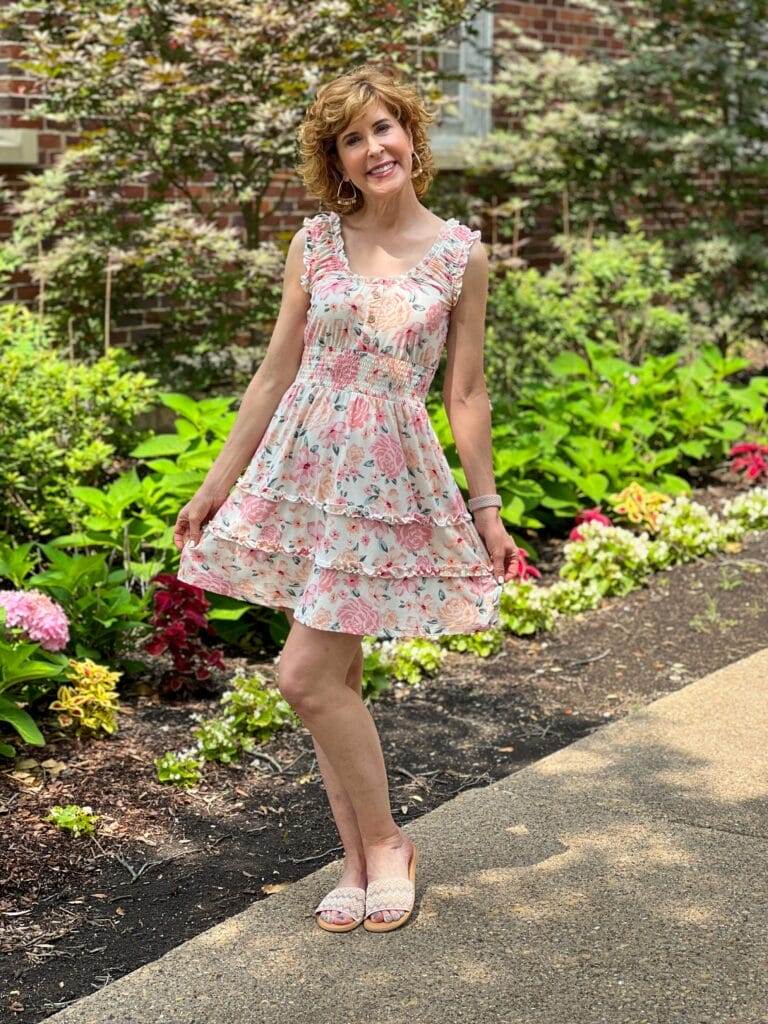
[348,512]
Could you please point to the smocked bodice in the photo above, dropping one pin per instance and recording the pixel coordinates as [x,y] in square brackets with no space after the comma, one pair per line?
[380,336]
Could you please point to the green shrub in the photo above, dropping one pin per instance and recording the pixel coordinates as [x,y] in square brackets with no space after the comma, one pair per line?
[63,424]
[616,291]
[602,421]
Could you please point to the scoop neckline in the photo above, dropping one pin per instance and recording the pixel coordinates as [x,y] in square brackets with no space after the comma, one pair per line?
[342,254]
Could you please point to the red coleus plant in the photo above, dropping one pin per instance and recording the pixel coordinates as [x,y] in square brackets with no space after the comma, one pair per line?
[522,570]
[180,618]
[589,515]
[752,458]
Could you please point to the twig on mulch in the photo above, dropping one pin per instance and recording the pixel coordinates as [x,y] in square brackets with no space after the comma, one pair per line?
[415,778]
[268,757]
[586,661]
[318,856]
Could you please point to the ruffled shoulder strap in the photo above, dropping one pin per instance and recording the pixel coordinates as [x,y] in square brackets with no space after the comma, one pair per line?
[456,246]
[318,249]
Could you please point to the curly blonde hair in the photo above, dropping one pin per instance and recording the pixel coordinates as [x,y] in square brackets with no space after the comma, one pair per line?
[337,104]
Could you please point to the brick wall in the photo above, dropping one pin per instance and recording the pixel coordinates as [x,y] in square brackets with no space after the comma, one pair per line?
[565,28]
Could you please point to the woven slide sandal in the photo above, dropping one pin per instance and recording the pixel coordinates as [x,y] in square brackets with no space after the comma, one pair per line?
[349,899]
[391,894]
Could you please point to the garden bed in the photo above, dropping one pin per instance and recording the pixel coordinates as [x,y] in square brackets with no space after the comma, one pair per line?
[166,864]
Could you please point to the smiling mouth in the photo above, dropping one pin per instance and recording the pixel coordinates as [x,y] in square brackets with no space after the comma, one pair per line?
[383,169]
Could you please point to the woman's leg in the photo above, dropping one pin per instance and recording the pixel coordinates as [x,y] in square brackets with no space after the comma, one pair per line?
[312,670]
[341,805]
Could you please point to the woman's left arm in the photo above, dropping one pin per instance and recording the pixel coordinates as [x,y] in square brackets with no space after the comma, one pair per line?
[469,409]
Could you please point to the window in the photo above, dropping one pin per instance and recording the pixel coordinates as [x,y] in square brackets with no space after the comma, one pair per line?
[467,115]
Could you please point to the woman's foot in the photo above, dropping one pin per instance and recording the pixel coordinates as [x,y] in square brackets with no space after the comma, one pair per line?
[389,859]
[352,875]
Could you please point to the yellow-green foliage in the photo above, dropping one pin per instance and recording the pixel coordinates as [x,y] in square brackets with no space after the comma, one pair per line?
[412,658]
[639,505]
[256,709]
[74,818]
[483,643]
[90,705]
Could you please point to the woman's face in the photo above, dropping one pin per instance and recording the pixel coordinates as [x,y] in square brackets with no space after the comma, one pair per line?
[375,138]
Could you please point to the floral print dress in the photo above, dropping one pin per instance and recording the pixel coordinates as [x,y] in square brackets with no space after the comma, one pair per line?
[348,512]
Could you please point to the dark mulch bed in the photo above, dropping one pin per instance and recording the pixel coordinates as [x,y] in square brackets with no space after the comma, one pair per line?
[166,865]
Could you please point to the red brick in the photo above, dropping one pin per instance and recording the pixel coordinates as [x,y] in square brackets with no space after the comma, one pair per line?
[46,140]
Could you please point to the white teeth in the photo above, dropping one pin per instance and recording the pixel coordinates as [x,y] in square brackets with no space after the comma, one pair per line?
[383,170]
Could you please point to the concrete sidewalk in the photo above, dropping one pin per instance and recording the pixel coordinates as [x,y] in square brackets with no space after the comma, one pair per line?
[621,880]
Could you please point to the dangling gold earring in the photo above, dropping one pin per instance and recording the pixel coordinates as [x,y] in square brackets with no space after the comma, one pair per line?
[346,199]
[416,155]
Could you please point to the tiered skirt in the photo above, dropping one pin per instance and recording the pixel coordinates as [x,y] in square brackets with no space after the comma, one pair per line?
[349,515]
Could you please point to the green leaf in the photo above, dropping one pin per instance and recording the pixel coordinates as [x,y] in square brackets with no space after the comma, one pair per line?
[161,444]
[566,364]
[23,723]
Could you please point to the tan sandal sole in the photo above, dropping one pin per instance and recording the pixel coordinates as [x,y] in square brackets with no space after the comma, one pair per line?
[341,896]
[329,926]
[389,926]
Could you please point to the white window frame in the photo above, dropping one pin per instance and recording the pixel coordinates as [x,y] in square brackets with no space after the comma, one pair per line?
[448,141]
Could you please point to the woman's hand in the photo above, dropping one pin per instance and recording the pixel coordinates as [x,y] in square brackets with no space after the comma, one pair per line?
[196,513]
[500,546]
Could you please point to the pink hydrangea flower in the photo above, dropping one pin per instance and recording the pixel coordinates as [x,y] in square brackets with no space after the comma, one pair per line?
[38,615]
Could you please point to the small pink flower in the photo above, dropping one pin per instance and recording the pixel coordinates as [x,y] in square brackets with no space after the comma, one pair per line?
[306,467]
[40,617]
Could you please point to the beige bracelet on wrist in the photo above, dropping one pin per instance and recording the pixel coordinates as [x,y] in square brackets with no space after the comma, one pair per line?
[484,501]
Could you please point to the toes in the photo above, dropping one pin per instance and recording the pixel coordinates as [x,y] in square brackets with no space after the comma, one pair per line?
[334,916]
[389,915]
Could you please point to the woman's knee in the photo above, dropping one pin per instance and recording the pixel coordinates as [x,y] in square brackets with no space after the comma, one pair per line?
[302,679]
[302,682]
[293,685]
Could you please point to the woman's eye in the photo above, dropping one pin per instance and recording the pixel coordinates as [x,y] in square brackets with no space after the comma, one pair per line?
[355,138]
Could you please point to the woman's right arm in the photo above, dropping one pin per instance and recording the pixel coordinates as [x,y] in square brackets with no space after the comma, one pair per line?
[274,376]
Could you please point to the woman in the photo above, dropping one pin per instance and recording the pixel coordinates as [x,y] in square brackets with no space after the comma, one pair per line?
[348,516]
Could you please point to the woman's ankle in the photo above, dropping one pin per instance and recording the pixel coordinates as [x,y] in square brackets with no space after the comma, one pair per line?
[354,861]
